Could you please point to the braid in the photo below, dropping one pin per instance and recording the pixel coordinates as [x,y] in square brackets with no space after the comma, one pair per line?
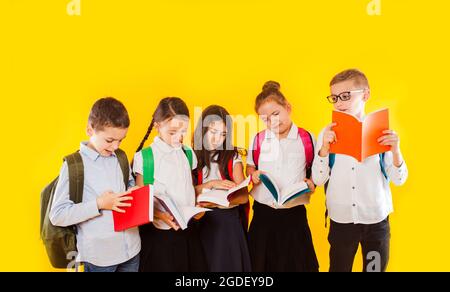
[149,130]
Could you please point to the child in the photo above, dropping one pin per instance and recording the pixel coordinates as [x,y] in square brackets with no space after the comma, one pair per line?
[220,167]
[358,195]
[279,236]
[165,247]
[99,247]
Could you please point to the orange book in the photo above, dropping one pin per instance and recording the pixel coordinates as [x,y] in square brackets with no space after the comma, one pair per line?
[140,212]
[359,138]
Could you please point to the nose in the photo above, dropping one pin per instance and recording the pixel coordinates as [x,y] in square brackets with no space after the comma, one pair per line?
[116,145]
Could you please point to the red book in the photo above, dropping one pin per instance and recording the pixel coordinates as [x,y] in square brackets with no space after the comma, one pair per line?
[140,212]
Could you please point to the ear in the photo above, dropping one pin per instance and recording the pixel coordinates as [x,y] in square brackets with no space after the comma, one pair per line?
[366,95]
[89,130]
[289,108]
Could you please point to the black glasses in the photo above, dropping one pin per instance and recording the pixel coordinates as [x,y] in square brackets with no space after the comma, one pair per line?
[344,96]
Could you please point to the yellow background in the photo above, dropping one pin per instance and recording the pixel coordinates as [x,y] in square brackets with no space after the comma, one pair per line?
[54,66]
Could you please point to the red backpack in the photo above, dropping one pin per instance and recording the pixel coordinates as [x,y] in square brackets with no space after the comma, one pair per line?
[307,144]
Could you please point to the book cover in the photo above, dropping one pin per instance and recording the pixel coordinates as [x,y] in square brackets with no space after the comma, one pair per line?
[140,212]
[359,138]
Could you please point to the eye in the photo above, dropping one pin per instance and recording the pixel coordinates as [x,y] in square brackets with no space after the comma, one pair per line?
[109,141]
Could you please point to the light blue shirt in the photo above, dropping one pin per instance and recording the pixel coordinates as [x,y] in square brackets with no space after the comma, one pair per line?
[97,242]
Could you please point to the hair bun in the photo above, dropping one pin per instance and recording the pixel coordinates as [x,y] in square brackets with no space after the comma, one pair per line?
[271,85]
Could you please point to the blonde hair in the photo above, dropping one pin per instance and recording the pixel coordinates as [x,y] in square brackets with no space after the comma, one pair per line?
[358,77]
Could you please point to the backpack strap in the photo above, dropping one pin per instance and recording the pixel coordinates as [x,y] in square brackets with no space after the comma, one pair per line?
[382,166]
[228,175]
[148,166]
[148,163]
[199,176]
[257,142]
[308,144]
[124,165]
[189,154]
[76,177]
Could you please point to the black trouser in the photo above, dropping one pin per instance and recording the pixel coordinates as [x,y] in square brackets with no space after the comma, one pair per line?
[345,239]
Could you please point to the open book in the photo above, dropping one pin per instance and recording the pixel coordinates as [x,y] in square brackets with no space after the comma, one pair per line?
[181,214]
[140,212]
[359,138]
[222,197]
[282,196]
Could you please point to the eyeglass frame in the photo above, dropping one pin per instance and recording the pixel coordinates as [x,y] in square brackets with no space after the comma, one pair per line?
[340,97]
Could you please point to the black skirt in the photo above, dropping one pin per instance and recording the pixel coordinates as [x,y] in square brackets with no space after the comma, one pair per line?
[224,241]
[171,251]
[280,240]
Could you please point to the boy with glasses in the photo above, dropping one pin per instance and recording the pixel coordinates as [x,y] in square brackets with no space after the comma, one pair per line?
[358,196]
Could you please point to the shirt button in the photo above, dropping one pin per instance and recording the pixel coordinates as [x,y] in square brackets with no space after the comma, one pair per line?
[353,168]
[354,205]
[353,187]
[321,171]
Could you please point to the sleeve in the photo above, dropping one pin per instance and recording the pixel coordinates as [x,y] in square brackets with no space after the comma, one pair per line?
[131,181]
[237,159]
[138,163]
[65,212]
[250,161]
[320,168]
[194,160]
[398,175]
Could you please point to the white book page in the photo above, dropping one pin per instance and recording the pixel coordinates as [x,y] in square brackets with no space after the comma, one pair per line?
[291,190]
[188,212]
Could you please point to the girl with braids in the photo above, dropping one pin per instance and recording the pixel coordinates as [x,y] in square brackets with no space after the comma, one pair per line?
[165,247]
[279,236]
[220,167]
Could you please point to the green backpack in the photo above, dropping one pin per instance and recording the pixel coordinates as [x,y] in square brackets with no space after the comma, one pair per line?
[149,163]
[61,242]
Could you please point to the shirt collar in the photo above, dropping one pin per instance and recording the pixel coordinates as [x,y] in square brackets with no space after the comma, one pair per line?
[89,152]
[166,148]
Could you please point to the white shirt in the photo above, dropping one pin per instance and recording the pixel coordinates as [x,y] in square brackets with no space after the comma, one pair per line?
[285,160]
[357,191]
[214,174]
[173,175]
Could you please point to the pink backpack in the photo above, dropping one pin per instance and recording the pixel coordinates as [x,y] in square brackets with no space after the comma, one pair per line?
[307,144]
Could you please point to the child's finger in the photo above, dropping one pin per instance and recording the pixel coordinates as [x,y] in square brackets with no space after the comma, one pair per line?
[330,126]
[121,199]
[123,205]
[118,210]
[388,132]
[383,138]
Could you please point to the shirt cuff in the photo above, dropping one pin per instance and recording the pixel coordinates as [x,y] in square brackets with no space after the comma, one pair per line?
[92,209]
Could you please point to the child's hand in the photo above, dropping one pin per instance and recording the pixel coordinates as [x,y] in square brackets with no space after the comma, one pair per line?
[255,177]
[329,137]
[112,201]
[167,218]
[199,216]
[390,139]
[311,185]
[221,184]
